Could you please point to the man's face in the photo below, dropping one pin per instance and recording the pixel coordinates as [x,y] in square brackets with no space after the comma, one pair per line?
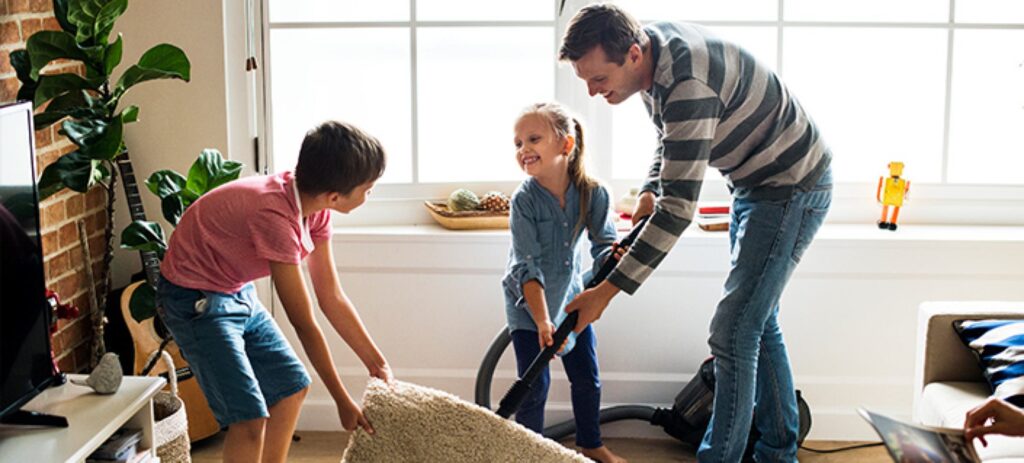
[604,77]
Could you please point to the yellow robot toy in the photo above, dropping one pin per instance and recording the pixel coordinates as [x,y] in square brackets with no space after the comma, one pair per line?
[895,191]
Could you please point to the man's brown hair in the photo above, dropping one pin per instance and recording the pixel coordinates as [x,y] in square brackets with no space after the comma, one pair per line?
[605,25]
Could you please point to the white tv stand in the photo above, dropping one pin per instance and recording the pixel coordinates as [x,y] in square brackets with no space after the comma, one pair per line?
[92,418]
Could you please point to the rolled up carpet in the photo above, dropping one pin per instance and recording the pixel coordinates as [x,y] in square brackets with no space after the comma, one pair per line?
[419,424]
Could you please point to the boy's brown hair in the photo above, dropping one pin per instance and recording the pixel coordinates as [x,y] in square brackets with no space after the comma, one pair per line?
[336,157]
[604,25]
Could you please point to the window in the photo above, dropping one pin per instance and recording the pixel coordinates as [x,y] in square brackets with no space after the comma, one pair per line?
[439,82]
[937,84]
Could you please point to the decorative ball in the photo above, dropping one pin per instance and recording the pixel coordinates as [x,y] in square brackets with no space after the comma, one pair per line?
[463,200]
[494,201]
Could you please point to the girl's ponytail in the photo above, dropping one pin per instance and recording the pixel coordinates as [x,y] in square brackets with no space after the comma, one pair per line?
[578,176]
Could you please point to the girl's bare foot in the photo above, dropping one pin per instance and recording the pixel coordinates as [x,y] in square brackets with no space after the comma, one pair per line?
[603,455]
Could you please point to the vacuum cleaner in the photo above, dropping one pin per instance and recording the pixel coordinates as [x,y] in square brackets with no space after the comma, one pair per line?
[686,421]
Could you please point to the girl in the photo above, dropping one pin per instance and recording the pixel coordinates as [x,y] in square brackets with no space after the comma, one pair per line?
[549,211]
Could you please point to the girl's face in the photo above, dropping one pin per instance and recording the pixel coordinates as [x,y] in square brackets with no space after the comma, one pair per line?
[539,150]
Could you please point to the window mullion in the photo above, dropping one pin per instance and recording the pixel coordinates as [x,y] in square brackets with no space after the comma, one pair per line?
[944,175]
[414,110]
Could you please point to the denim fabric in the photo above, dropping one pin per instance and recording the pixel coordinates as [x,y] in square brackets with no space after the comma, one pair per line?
[239,355]
[767,239]
[585,386]
[545,247]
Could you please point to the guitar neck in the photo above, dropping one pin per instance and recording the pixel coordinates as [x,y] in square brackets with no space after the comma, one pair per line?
[150,260]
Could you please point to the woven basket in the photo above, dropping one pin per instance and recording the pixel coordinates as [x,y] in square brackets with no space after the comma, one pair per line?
[170,428]
[468,220]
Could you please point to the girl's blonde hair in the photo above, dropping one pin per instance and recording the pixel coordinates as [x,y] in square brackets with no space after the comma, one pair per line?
[564,124]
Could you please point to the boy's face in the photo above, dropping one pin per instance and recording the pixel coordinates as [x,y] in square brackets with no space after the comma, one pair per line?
[355,198]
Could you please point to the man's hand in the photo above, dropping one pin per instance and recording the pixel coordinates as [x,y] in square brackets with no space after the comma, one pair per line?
[352,417]
[591,304]
[382,372]
[644,206]
[995,416]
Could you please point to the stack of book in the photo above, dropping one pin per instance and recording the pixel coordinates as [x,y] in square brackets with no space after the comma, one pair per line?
[713,218]
[121,447]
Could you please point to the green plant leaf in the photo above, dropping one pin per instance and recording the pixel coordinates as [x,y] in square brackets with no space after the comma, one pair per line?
[74,171]
[130,114]
[172,208]
[142,235]
[23,67]
[112,55]
[46,46]
[163,61]
[96,138]
[51,86]
[107,17]
[209,171]
[165,182]
[60,11]
[94,18]
[142,304]
[69,104]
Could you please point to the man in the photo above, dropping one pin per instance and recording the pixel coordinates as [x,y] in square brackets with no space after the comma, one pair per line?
[714,104]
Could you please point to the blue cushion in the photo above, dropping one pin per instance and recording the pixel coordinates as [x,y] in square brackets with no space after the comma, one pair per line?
[999,345]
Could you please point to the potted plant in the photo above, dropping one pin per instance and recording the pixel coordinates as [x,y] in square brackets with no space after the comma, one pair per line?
[89,104]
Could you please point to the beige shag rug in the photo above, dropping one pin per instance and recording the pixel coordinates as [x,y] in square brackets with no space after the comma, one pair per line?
[419,424]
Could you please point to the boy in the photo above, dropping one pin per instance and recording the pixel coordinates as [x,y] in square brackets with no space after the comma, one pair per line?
[248,229]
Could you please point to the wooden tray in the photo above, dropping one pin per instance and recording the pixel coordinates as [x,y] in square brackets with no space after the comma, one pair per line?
[469,220]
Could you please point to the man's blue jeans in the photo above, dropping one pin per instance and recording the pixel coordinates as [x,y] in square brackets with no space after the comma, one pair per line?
[753,380]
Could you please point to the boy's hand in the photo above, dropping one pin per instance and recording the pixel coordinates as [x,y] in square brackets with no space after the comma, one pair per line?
[352,417]
[383,372]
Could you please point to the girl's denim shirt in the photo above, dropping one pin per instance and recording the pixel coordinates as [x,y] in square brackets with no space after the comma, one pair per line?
[545,247]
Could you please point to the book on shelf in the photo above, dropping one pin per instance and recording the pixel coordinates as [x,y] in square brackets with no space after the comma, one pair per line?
[122,446]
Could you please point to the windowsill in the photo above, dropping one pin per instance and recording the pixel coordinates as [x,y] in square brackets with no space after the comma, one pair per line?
[829,232]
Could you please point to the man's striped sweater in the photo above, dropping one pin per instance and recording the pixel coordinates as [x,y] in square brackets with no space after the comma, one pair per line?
[714,104]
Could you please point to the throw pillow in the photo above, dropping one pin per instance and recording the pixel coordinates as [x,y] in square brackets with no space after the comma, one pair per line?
[999,345]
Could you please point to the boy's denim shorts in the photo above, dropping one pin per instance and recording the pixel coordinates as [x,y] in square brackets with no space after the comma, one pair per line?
[242,361]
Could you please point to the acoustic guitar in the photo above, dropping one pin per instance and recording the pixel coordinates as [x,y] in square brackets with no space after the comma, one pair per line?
[145,336]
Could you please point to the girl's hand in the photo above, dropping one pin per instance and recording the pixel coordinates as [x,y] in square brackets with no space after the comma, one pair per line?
[352,417]
[382,372]
[545,332]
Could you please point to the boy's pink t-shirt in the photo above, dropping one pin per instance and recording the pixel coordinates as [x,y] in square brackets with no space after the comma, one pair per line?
[228,237]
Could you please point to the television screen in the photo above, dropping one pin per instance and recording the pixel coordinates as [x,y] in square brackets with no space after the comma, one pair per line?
[26,367]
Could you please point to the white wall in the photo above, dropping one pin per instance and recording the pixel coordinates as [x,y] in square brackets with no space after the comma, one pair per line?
[432,301]
[177,120]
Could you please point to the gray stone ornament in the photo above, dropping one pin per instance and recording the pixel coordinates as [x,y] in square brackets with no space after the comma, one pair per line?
[106,377]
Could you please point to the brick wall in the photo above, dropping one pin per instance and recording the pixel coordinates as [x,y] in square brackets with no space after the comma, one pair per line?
[64,259]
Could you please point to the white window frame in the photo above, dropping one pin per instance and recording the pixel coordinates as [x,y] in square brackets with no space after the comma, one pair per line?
[853,202]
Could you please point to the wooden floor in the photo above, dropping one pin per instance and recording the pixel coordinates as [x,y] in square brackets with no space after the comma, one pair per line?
[323,447]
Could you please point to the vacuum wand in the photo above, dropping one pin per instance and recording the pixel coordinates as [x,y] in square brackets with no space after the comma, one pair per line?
[520,389]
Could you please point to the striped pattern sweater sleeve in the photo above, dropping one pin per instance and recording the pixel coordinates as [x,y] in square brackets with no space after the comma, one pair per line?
[714,105]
